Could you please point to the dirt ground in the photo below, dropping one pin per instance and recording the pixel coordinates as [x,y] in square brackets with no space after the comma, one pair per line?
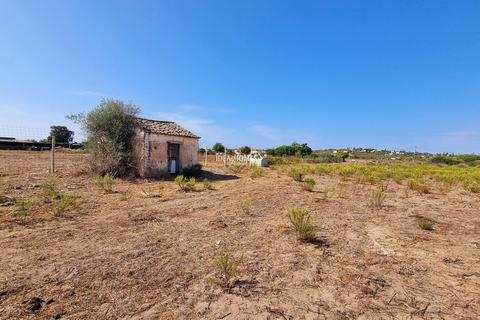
[147,251]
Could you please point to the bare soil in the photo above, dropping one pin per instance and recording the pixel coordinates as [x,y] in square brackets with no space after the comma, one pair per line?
[147,250]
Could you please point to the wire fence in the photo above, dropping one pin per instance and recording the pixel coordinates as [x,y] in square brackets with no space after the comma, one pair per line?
[24,133]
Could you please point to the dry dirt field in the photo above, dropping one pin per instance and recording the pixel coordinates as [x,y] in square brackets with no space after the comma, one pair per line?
[148,250]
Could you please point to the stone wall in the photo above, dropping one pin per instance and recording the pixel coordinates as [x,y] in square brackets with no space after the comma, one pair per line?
[151,153]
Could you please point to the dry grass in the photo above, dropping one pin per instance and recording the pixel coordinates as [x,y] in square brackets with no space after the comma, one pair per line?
[127,255]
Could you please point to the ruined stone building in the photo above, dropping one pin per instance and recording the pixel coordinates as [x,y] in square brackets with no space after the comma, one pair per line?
[163,147]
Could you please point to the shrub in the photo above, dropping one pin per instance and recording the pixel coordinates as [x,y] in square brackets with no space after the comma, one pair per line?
[185,184]
[449,160]
[227,267]
[295,149]
[296,174]
[193,171]
[379,195]
[256,172]
[21,209]
[308,184]
[51,190]
[105,182]
[425,225]
[207,184]
[61,204]
[110,128]
[301,220]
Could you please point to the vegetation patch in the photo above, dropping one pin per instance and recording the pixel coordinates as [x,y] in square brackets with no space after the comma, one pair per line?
[207,184]
[227,268]
[110,128]
[301,220]
[256,172]
[308,184]
[425,225]
[185,184]
[21,209]
[296,174]
[105,182]
[378,196]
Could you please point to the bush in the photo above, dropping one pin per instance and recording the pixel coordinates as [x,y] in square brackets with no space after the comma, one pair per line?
[21,209]
[51,190]
[425,225]
[193,171]
[256,172]
[301,220]
[207,184]
[295,149]
[110,128]
[105,182]
[378,196]
[308,184]
[61,204]
[185,184]
[227,267]
[296,174]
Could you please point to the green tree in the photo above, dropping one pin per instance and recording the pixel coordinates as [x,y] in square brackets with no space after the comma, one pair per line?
[295,149]
[61,134]
[218,147]
[109,129]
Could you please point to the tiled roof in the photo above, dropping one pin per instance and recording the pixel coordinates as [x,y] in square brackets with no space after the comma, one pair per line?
[164,127]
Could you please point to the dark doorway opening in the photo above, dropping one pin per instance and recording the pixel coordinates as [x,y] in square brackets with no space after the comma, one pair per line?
[173,158]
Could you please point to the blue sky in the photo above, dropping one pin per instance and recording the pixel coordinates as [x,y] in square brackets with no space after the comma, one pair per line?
[385,74]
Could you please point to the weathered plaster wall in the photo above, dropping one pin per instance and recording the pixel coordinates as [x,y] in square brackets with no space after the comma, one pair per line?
[152,153]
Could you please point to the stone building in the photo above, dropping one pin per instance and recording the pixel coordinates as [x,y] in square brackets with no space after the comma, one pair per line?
[163,147]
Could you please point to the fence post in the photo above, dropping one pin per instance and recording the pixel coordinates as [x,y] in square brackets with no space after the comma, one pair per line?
[225,157]
[206,155]
[52,164]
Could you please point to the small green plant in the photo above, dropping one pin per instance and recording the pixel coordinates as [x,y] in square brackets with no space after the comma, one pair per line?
[296,174]
[301,220]
[105,182]
[379,195]
[60,205]
[426,225]
[256,172]
[21,209]
[207,184]
[227,266]
[185,184]
[308,184]
[51,190]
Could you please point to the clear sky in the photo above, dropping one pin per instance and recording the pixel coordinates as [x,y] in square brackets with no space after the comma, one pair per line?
[384,74]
